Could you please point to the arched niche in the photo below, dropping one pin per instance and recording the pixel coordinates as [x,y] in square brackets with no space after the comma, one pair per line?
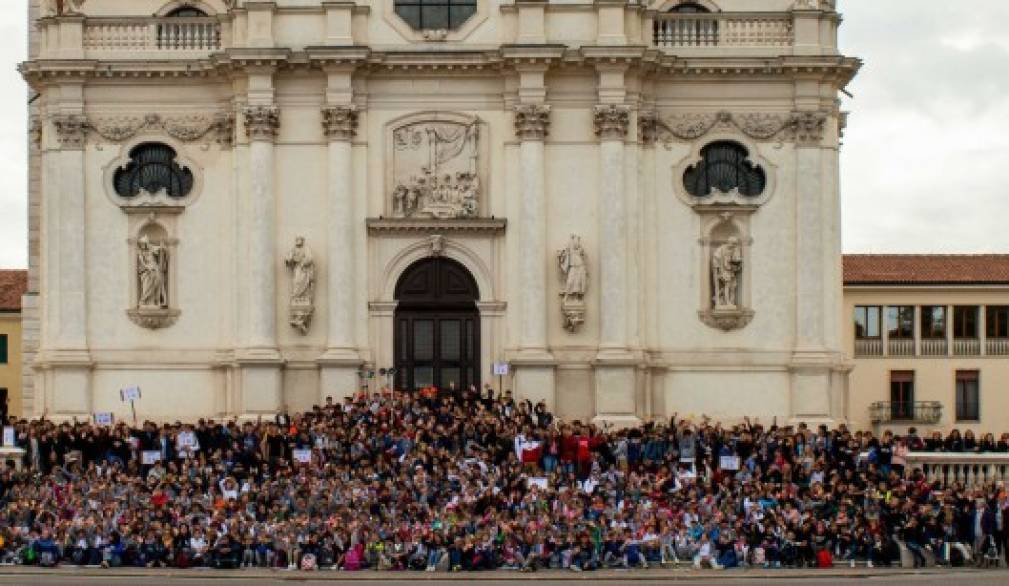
[153,263]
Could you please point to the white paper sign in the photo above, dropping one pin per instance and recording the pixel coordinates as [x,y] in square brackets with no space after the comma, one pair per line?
[500,369]
[103,418]
[8,436]
[187,439]
[302,456]
[539,481]
[130,393]
[149,457]
[728,462]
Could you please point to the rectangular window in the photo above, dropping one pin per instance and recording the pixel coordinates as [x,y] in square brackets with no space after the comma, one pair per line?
[900,322]
[933,322]
[867,321]
[3,348]
[965,322]
[998,321]
[902,394]
[968,396]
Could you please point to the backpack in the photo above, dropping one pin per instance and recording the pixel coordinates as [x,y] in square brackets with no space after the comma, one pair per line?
[308,562]
[352,562]
[824,559]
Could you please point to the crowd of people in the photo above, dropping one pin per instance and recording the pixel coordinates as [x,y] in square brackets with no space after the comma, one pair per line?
[475,480]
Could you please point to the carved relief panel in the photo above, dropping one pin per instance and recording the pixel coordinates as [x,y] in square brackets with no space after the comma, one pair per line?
[437,167]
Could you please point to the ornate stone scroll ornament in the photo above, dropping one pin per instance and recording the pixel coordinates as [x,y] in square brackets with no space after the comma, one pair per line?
[532,121]
[186,128]
[611,121]
[339,122]
[802,127]
[302,266]
[574,269]
[435,170]
[261,122]
[71,130]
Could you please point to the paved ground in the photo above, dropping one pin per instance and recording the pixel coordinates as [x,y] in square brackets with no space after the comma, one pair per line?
[67,577]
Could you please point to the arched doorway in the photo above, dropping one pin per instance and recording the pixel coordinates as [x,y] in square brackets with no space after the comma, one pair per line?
[437,326]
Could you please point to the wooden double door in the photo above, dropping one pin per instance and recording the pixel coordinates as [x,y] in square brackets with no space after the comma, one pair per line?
[437,326]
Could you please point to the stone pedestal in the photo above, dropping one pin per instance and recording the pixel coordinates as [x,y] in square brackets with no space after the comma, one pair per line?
[536,382]
[261,384]
[616,392]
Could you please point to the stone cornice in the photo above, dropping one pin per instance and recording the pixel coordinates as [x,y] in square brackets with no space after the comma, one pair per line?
[834,69]
[432,225]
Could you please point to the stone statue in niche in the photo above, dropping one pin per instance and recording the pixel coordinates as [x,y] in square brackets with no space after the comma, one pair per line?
[152,272]
[574,268]
[435,170]
[726,270]
[302,266]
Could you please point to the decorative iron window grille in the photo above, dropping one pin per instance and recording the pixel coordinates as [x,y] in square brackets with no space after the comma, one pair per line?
[724,166]
[152,168]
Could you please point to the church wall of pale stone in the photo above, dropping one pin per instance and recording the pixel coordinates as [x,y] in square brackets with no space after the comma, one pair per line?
[605,163]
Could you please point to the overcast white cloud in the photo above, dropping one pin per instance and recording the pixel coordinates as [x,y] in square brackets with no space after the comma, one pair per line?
[926,152]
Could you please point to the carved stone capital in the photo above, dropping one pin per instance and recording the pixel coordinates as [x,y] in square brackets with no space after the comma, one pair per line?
[611,121]
[532,121]
[261,122]
[224,123]
[339,122]
[648,126]
[71,130]
[807,127]
[35,131]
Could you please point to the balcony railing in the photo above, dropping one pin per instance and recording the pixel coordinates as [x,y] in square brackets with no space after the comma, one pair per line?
[934,347]
[967,469]
[922,412]
[146,35]
[868,347]
[900,347]
[723,29]
[997,346]
[966,347]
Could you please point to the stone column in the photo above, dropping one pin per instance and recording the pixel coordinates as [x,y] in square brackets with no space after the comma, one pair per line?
[259,357]
[534,373]
[65,348]
[616,388]
[340,362]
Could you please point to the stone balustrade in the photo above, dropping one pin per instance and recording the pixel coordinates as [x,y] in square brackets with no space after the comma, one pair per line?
[997,347]
[152,34]
[968,469]
[869,347]
[184,37]
[723,29]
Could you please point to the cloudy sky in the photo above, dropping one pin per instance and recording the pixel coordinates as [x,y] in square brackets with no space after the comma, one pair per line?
[926,154]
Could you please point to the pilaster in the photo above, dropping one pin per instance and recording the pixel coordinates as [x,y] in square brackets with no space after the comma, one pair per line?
[259,358]
[341,360]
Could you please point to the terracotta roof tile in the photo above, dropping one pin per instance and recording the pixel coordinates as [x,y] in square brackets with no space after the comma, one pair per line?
[926,269]
[13,285]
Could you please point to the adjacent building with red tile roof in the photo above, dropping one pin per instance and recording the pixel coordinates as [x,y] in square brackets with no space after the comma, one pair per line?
[926,269]
[13,284]
[929,335]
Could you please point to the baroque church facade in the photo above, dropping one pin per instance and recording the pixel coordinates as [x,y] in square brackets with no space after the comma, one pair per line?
[624,208]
